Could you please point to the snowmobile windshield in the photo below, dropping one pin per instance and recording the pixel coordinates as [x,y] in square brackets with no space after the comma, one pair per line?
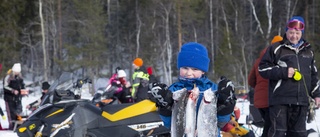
[64,82]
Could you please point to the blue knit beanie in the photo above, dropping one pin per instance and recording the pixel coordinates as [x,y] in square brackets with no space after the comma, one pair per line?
[299,18]
[194,55]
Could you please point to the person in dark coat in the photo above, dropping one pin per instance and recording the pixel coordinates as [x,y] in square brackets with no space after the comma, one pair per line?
[45,86]
[13,84]
[289,66]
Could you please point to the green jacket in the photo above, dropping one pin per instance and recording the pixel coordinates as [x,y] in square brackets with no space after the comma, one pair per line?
[139,78]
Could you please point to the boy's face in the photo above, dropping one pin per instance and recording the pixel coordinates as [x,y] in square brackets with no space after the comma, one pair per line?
[189,72]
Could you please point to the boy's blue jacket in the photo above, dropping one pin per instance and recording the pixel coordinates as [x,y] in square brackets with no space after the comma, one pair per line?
[203,84]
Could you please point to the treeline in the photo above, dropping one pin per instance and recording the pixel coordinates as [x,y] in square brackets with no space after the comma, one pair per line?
[51,36]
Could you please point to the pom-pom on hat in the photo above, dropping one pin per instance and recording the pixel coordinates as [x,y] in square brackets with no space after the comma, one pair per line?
[194,55]
[276,38]
[16,67]
[45,85]
[298,18]
[138,62]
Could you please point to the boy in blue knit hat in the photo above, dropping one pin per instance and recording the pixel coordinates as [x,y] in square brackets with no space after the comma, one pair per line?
[193,62]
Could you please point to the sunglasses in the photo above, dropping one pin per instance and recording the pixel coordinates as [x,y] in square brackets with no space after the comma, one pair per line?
[295,24]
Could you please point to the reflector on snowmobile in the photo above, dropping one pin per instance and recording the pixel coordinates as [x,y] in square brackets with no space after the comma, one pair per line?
[22,129]
[139,108]
[55,112]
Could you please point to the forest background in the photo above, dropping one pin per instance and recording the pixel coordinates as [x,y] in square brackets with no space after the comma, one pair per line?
[96,36]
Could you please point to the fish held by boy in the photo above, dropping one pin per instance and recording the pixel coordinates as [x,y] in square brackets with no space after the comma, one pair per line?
[207,118]
[191,109]
[178,112]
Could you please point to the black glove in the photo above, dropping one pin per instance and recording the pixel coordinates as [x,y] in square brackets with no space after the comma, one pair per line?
[226,97]
[225,90]
[160,94]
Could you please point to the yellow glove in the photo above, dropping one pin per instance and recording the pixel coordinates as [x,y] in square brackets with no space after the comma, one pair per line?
[297,75]
[240,131]
[4,117]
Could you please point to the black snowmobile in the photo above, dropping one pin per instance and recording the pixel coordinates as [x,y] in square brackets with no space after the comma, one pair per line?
[64,114]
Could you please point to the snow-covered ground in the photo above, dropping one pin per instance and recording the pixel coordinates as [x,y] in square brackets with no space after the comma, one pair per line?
[243,105]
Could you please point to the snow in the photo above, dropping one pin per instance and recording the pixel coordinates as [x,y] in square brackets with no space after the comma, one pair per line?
[243,105]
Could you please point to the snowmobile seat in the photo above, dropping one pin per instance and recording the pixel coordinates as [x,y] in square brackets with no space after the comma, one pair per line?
[142,111]
[114,108]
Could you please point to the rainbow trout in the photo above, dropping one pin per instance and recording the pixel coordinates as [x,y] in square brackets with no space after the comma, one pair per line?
[191,110]
[180,98]
[207,115]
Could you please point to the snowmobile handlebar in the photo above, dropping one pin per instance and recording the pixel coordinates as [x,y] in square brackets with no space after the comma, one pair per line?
[80,82]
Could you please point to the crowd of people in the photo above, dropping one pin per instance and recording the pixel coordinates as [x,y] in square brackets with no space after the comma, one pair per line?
[14,88]
[138,91]
[193,63]
[284,78]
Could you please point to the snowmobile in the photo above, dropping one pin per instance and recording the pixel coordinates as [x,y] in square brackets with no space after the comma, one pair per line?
[108,95]
[105,96]
[64,114]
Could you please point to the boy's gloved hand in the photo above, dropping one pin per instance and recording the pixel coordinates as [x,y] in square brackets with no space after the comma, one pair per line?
[161,94]
[4,117]
[163,98]
[225,89]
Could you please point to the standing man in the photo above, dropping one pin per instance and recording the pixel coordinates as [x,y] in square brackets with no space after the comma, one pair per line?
[140,80]
[282,64]
[13,84]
